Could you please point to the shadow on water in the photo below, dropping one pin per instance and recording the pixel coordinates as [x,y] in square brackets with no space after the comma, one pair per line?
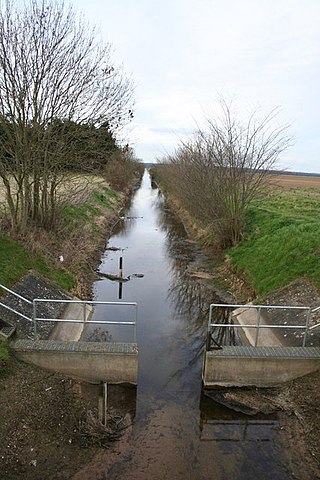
[177,432]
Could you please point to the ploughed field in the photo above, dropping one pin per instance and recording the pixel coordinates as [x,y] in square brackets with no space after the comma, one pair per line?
[297,181]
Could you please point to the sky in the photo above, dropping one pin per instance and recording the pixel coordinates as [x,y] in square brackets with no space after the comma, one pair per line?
[183,55]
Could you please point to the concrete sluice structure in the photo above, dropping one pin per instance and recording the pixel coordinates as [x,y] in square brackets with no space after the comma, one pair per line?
[265,359]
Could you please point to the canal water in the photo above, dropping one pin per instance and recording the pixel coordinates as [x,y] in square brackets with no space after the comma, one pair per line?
[178,433]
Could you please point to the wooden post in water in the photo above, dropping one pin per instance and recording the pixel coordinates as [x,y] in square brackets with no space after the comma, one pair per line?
[120,275]
[103,403]
[120,267]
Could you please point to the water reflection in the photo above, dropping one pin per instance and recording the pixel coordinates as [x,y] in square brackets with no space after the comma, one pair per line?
[219,423]
[185,294]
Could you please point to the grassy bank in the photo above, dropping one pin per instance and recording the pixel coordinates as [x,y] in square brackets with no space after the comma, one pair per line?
[282,239]
[78,236]
[16,260]
[280,243]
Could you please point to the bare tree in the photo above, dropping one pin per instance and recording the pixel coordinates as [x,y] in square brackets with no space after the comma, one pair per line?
[218,173]
[52,69]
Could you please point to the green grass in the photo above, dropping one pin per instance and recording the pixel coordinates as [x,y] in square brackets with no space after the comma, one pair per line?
[282,242]
[111,193]
[16,261]
[74,219]
[82,212]
[102,200]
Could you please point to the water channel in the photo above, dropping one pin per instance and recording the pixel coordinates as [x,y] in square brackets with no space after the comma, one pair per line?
[178,433]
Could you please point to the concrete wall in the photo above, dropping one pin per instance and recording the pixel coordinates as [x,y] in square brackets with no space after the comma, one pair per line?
[117,363]
[260,371]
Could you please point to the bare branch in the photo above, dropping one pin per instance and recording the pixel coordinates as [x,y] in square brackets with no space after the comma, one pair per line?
[223,167]
[54,73]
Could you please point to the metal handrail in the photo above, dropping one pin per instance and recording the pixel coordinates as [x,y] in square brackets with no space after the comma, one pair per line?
[12,309]
[15,311]
[16,294]
[318,324]
[306,327]
[83,320]
[314,326]
[36,319]
[252,305]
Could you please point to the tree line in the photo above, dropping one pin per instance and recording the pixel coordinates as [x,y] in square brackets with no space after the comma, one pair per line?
[62,103]
[217,173]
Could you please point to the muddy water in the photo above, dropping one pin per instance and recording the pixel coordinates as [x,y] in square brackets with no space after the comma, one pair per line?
[177,433]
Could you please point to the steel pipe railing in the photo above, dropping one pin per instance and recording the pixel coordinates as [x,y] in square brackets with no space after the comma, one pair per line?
[13,309]
[84,303]
[258,325]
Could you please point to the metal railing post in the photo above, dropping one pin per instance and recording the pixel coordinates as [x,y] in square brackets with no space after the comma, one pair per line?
[257,327]
[135,324]
[208,340]
[306,328]
[84,313]
[34,313]
[210,317]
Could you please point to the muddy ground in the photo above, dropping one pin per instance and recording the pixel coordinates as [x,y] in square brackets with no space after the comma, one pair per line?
[46,424]
[39,435]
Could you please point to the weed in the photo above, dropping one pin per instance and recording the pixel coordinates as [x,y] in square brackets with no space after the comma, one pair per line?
[4,360]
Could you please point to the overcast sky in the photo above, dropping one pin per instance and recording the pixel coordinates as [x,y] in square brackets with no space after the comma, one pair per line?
[184,54]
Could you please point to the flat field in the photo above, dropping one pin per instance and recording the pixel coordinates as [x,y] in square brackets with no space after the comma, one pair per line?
[290,181]
[72,189]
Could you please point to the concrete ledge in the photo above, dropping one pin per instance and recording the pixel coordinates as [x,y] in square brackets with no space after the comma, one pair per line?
[249,316]
[90,361]
[7,331]
[72,331]
[60,346]
[274,352]
[258,366]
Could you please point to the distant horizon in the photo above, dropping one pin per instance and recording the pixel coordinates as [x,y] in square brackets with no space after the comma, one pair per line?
[281,171]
